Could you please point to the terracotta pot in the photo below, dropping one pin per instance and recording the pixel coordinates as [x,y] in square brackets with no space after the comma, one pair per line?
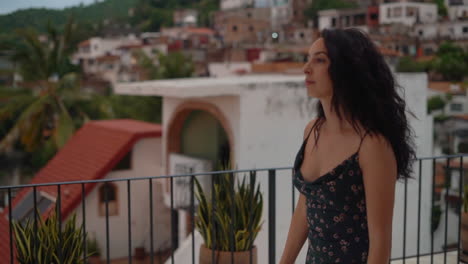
[94,260]
[464,235]
[140,253]
[224,257]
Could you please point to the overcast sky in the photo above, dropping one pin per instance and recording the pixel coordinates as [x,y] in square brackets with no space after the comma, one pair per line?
[8,6]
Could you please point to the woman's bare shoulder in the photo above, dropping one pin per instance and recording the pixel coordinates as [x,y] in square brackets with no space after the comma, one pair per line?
[309,127]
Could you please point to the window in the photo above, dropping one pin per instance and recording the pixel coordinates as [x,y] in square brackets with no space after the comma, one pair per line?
[25,208]
[428,51]
[249,14]
[301,35]
[125,163]
[234,28]
[251,28]
[389,12]
[397,11]
[109,191]
[411,11]
[333,22]
[465,30]
[421,32]
[456,107]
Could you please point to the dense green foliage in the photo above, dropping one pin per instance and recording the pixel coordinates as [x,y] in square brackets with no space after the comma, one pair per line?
[408,64]
[451,62]
[39,17]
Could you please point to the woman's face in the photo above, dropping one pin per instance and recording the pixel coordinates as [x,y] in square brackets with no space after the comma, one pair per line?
[318,82]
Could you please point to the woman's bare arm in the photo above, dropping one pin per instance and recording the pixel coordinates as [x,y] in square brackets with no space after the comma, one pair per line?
[297,233]
[379,170]
[298,228]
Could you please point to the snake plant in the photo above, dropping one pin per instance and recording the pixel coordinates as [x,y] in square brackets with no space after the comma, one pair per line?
[43,244]
[231,220]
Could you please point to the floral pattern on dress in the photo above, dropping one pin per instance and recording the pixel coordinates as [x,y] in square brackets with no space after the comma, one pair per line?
[336,213]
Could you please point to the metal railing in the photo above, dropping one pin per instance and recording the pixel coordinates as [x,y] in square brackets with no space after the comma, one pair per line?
[271,200]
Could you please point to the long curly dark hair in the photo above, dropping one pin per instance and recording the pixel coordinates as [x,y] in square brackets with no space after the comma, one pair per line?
[365,90]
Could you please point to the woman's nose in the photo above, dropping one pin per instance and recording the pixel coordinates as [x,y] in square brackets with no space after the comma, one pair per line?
[306,69]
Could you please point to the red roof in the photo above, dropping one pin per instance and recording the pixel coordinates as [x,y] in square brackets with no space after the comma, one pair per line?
[207,31]
[90,154]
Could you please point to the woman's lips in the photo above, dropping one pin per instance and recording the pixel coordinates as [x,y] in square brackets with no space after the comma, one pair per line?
[309,82]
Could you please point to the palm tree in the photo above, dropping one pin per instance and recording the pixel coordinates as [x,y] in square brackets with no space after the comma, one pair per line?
[47,117]
[38,59]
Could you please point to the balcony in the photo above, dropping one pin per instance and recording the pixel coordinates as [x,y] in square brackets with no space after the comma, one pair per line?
[150,219]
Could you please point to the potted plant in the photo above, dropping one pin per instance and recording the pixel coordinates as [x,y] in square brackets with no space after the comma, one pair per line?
[67,247]
[464,224]
[236,220]
[94,251]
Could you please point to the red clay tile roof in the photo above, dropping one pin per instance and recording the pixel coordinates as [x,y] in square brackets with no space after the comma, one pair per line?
[207,31]
[446,87]
[90,154]
[84,43]
[105,58]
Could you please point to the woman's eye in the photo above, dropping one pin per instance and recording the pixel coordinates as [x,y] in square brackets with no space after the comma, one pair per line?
[319,60]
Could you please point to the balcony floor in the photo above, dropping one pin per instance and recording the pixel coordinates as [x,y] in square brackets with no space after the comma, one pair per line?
[437,259]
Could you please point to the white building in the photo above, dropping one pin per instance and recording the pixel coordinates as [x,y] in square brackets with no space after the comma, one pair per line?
[453,30]
[233,4]
[343,18]
[252,117]
[457,9]
[407,13]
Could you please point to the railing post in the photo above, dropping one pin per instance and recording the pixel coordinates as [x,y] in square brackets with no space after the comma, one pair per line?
[271,216]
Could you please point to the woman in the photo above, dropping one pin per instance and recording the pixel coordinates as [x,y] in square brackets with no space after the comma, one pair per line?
[362,144]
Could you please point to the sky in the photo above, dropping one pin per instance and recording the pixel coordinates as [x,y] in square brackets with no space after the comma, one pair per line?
[8,6]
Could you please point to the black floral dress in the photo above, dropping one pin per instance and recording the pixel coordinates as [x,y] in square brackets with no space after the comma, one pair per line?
[336,212]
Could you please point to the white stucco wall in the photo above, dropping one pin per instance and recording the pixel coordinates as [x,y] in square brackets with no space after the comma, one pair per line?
[146,162]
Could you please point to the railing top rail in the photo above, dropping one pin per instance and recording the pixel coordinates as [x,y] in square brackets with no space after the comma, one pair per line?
[189,174]
[141,178]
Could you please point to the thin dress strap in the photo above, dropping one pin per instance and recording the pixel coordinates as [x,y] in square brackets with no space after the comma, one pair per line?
[362,139]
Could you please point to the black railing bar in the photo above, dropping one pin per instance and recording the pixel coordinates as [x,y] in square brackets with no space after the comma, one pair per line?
[36,228]
[461,191]
[129,217]
[184,175]
[192,213]
[432,208]
[404,220]
[419,211]
[83,207]
[173,228]
[10,223]
[233,217]
[140,178]
[151,221]
[271,216]
[447,176]
[59,218]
